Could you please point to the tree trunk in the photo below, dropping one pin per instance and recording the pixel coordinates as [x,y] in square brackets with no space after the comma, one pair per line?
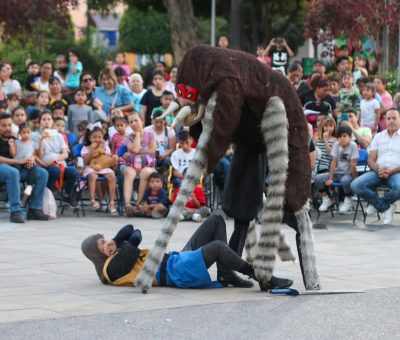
[185,30]
[235,23]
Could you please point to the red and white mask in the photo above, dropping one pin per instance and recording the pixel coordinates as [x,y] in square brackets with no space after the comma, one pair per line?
[188,93]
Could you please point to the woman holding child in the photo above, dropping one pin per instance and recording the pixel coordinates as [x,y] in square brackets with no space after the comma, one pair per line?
[52,152]
[140,161]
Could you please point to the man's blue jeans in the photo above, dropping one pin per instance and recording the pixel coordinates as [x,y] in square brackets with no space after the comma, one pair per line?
[365,187]
[12,177]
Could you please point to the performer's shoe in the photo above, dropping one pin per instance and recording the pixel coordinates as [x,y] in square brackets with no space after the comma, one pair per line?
[275,283]
[231,279]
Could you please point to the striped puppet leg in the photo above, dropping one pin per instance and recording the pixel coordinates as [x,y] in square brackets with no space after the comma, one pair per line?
[305,247]
[274,127]
[195,170]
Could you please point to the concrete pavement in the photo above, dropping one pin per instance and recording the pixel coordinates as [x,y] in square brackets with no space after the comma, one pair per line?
[44,276]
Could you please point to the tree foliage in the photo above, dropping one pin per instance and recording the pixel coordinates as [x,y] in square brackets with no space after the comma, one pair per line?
[27,17]
[328,19]
[145,32]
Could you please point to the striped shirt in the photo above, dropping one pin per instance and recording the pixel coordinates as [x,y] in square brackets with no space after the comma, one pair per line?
[325,160]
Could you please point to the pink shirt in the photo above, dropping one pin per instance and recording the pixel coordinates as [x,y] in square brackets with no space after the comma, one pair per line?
[124,66]
[387,103]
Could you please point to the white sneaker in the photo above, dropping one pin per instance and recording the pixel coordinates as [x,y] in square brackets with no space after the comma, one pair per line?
[371,210]
[181,217]
[346,206]
[388,214]
[28,190]
[326,203]
[196,217]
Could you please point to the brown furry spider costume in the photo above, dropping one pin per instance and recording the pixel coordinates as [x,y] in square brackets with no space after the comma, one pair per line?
[257,109]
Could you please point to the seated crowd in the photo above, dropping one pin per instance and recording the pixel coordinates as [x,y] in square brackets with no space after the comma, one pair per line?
[62,131]
[344,117]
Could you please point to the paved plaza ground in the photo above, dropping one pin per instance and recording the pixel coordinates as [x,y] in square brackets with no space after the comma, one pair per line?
[49,290]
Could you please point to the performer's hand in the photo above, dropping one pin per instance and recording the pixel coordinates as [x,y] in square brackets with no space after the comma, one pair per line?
[329,182]
[110,247]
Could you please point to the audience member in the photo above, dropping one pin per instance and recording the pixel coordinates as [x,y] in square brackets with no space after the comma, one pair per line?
[343,169]
[384,162]
[140,160]
[75,68]
[155,201]
[52,152]
[93,141]
[195,208]
[181,158]
[110,95]
[10,85]
[152,98]
[165,138]
[369,109]
[12,176]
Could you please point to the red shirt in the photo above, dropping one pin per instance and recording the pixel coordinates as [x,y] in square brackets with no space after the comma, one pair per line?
[198,193]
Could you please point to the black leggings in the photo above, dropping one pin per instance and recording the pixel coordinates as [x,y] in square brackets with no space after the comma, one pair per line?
[211,236]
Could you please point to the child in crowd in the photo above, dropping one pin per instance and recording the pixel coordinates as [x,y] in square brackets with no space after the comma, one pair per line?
[121,78]
[59,125]
[152,98]
[93,140]
[343,168]
[43,100]
[181,158]
[348,94]
[13,100]
[24,148]
[360,67]
[155,201]
[120,62]
[165,138]
[120,137]
[74,70]
[79,112]
[326,139]
[195,208]
[105,126]
[112,130]
[380,83]
[33,70]
[18,116]
[370,109]
[166,99]
[334,86]
[57,109]
[3,106]
[81,127]
[34,121]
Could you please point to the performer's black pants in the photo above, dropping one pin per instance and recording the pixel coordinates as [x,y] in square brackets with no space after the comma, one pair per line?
[211,236]
[238,238]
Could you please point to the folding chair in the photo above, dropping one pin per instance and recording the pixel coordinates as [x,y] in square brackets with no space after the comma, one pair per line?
[362,168]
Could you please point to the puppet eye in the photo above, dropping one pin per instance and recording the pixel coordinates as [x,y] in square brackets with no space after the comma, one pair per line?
[189,96]
[179,91]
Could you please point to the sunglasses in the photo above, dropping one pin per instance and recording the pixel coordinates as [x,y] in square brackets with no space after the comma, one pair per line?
[87,80]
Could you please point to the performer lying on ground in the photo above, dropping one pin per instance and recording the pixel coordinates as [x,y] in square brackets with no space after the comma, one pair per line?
[119,261]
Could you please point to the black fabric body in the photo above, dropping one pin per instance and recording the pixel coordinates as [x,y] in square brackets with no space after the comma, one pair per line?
[123,262]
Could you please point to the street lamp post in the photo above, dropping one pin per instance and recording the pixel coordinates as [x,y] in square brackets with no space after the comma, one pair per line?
[213,6]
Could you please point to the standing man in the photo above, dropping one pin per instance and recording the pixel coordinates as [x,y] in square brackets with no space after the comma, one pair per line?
[384,162]
[12,171]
